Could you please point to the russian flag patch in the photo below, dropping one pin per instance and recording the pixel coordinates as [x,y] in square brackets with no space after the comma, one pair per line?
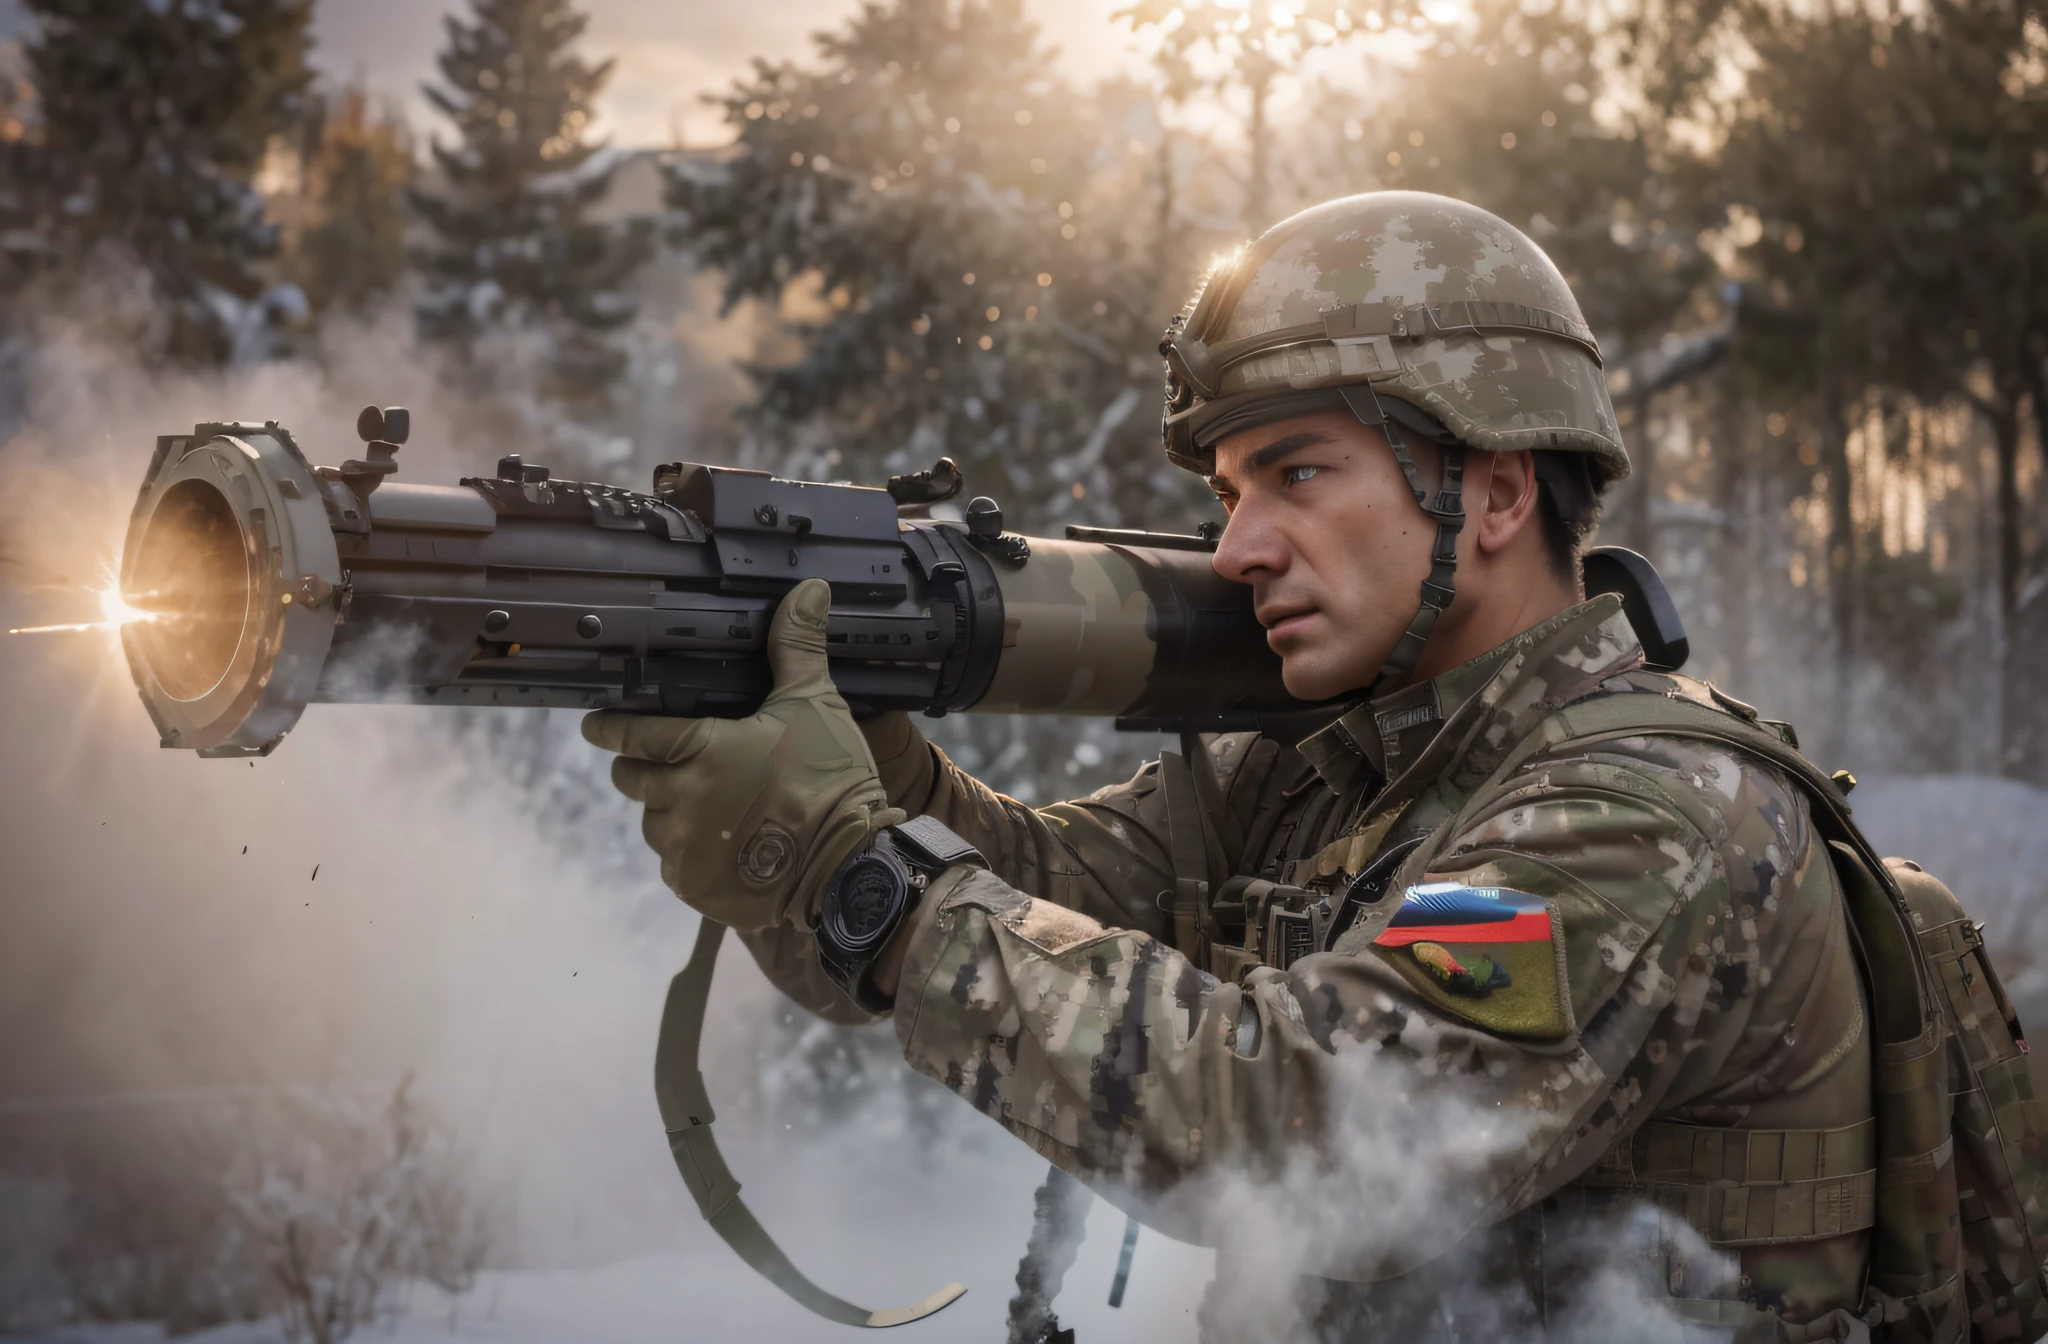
[1451,912]
[1489,955]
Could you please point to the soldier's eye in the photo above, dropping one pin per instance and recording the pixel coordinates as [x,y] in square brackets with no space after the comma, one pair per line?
[1295,475]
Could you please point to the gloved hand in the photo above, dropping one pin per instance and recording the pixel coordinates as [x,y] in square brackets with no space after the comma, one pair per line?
[752,816]
[903,759]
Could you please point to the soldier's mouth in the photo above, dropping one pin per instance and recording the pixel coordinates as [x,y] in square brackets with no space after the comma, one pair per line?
[1285,622]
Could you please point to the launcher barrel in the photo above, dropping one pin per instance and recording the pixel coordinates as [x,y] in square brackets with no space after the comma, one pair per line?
[274,584]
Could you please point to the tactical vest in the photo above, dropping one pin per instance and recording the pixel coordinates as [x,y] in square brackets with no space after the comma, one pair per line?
[1950,1175]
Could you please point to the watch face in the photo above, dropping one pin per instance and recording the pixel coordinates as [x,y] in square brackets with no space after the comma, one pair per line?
[868,898]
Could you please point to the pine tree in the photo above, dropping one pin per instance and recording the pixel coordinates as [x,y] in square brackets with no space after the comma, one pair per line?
[1889,160]
[349,249]
[515,246]
[974,258]
[1506,111]
[153,117]
[22,248]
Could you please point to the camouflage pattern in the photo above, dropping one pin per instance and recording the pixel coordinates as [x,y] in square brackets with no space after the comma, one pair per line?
[1699,971]
[1076,632]
[1120,630]
[1391,261]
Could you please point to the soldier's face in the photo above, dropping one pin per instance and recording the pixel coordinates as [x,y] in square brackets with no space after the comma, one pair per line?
[1324,529]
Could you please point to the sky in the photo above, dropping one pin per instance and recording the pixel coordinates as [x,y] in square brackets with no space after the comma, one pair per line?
[668,52]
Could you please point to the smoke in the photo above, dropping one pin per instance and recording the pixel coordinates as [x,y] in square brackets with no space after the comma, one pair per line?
[458,895]
[452,894]
[1398,1208]
[366,901]
[1058,1223]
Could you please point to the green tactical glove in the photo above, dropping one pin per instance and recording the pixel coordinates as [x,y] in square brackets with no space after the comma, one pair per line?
[752,816]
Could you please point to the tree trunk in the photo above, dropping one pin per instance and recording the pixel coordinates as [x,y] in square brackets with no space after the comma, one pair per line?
[1735,430]
[1258,82]
[1166,201]
[1641,531]
[1841,561]
[2005,430]
[2023,614]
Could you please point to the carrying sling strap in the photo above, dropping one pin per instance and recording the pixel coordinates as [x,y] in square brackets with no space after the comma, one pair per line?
[686,1114]
[1203,840]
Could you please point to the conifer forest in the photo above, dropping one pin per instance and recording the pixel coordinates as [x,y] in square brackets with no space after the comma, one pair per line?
[1811,237]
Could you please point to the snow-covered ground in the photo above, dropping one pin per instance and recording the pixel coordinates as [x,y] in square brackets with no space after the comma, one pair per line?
[518,968]
[706,1297]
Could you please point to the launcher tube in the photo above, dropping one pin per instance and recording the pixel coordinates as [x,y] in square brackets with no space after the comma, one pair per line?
[276,584]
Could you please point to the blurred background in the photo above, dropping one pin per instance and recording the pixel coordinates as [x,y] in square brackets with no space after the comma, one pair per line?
[357,1037]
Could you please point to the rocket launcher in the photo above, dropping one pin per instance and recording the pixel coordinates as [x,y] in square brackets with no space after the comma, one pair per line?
[272,584]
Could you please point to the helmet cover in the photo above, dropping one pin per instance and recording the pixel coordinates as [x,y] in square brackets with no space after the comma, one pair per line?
[1421,298]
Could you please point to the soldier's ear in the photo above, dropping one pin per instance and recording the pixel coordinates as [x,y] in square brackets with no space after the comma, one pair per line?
[1503,505]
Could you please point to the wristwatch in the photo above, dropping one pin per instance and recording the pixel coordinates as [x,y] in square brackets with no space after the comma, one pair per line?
[868,899]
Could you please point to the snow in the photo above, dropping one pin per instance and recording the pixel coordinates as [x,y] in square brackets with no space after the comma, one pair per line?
[707,1294]
[600,165]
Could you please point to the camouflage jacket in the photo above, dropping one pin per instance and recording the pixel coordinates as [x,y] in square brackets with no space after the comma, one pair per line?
[1426,1118]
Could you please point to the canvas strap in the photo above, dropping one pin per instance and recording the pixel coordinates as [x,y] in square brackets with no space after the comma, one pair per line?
[687,1115]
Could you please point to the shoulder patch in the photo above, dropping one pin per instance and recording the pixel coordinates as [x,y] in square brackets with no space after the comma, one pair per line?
[1491,956]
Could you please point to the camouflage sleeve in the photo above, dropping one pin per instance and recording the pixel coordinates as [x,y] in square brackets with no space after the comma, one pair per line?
[1362,1078]
[1104,855]
[788,957]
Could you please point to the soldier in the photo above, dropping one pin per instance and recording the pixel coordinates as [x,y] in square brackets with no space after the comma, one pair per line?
[1423,1005]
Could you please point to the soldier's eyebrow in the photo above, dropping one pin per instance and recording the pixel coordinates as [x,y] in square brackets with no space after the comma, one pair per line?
[1273,452]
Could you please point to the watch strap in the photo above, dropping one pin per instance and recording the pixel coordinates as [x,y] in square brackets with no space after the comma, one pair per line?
[928,844]
[924,846]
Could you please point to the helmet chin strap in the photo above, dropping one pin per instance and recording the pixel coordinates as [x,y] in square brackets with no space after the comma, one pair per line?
[1446,507]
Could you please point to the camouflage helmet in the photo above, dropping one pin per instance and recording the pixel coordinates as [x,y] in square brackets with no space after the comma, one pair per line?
[1423,300]
[1429,319]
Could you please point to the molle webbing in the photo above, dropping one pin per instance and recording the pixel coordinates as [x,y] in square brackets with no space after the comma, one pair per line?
[1748,1187]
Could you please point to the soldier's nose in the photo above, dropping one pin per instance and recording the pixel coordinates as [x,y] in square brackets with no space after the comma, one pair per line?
[1247,548]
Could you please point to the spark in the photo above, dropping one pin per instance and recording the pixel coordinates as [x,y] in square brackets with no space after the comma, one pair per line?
[56,629]
[115,611]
